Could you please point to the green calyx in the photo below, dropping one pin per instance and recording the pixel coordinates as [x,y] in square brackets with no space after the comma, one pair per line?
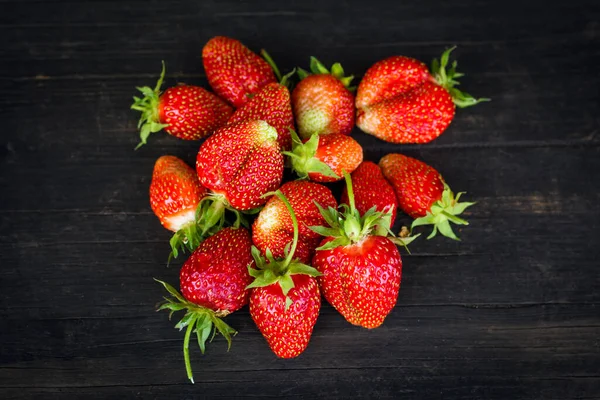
[303,160]
[347,226]
[317,67]
[447,78]
[187,238]
[200,320]
[269,271]
[284,80]
[211,217]
[148,105]
[442,212]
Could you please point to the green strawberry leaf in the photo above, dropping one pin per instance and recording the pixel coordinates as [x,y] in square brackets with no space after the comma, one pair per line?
[299,268]
[314,165]
[203,329]
[187,319]
[446,230]
[330,215]
[225,330]
[302,73]
[458,208]
[286,283]
[447,79]
[148,105]
[337,70]
[317,67]
[171,291]
[337,242]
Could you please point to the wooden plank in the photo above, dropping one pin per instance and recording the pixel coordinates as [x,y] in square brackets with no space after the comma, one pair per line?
[424,349]
[510,312]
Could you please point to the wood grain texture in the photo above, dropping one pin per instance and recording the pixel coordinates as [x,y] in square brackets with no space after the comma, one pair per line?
[511,312]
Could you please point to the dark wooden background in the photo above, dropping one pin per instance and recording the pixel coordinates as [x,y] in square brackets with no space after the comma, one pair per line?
[511,312]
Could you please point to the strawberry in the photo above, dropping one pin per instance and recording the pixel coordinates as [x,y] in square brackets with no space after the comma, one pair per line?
[388,78]
[213,284]
[233,71]
[273,228]
[184,111]
[361,270]
[322,102]
[272,105]
[285,299]
[240,163]
[287,330]
[400,102]
[175,194]
[324,158]
[423,194]
[371,189]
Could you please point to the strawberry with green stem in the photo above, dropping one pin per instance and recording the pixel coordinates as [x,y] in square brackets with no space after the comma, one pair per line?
[273,228]
[233,71]
[238,165]
[323,158]
[213,285]
[372,189]
[423,194]
[399,101]
[360,264]
[184,111]
[323,102]
[175,196]
[272,104]
[184,206]
[285,299]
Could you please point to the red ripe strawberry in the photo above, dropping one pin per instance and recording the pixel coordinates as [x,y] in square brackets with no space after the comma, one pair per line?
[361,270]
[271,104]
[273,228]
[285,299]
[388,78]
[399,102]
[234,71]
[287,331]
[322,102]
[423,194]
[175,194]
[324,158]
[241,162]
[371,189]
[216,274]
[186,112]
[361,280]
[417,116]
[213,284]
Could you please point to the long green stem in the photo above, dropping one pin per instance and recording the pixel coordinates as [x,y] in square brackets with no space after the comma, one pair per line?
[270,61]
[350,191]
[288,259]
[186,350]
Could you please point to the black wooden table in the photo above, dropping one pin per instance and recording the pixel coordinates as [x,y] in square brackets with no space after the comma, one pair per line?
[512,311]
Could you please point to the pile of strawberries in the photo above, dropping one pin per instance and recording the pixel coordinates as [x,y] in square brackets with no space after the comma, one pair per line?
[278,246]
